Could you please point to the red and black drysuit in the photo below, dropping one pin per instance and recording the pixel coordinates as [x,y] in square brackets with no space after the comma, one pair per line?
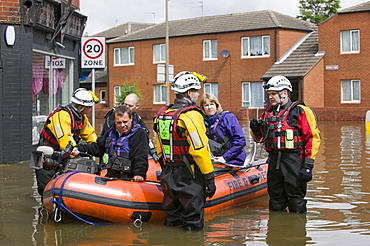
[285,185]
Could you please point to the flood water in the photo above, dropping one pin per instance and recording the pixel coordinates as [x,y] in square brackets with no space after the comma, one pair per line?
[338,208]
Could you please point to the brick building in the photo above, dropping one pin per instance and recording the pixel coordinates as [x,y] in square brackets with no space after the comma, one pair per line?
[234,51]
[40,42]
[345,39]
[238,52]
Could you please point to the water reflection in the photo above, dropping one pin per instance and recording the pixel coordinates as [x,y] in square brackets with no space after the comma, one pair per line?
[296,235]
[339,192]
[338,207]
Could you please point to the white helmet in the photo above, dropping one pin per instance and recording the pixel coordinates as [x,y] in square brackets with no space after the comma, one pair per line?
[278,83]
[83,97]
[185,81]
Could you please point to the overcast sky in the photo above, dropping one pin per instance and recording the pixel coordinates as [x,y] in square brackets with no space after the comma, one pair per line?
[103,15]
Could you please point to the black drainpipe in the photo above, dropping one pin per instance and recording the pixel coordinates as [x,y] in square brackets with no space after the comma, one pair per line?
[275,44]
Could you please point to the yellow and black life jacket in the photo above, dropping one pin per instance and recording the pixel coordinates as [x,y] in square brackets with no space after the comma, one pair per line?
[172,138]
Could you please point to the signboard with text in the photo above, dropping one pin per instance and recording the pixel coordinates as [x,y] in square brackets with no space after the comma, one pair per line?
[93,52]
[56,62]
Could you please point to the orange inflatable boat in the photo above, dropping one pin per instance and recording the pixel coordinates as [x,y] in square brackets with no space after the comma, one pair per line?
[91,197]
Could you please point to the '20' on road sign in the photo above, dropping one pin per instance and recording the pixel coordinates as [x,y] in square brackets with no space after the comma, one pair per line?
[93,48]
[93,52]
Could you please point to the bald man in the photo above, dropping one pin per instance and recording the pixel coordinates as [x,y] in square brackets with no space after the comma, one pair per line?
[132,102]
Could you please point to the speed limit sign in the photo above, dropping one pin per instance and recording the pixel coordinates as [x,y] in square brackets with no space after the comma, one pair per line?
[93,52]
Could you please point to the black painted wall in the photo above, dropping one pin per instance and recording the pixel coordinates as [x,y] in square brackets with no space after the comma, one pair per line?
[16,110]
[16,88]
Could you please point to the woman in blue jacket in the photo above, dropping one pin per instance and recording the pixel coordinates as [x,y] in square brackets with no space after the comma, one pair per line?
[226,137]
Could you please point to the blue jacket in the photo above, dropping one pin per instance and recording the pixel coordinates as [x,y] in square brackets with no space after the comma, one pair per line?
[225,126]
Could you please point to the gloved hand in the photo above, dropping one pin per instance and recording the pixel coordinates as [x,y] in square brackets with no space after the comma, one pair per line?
[155,157]
[306,172]
[255,126]
[153,151]
[211,187]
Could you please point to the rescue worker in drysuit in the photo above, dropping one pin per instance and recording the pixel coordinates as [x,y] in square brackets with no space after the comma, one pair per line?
[64,125]
[291,137]
[187,176]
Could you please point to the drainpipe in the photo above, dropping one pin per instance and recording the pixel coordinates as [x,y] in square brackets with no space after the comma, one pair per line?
[300,89]
[275,45]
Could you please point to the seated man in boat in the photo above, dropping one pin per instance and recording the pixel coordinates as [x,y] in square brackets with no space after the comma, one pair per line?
[132,102]
[187,177]
[226,137]
[124,148]
[66,125]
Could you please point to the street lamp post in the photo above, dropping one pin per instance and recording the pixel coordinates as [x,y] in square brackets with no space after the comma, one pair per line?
[167,59]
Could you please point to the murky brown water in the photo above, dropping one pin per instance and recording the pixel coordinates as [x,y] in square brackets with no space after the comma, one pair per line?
[338,208]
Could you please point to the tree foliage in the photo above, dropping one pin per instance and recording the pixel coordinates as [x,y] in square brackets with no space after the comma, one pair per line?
[128,87]
[316,11]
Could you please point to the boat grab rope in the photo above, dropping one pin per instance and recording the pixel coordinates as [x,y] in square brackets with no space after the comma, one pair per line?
[60,205]
[59,202]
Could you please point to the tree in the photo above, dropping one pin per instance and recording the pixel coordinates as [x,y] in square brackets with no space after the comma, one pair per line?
[128,87]
[316,11]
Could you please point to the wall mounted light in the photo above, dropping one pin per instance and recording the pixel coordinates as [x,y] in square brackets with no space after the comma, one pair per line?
[9,35]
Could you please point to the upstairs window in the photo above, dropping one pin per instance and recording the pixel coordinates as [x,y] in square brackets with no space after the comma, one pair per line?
[258,46]
[351,91]
[124,56]
[210,49]
[253,95]
[159,53]
[350,41]
[211,88]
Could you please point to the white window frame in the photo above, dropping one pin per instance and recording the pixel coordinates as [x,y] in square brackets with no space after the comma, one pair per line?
[250,101]
[117,92]
[118,59]
[210,50]
[102,95]
[352,48]
[246,100]
[211,88]
[351,90]
[246,51]
[162,53]
[162,95]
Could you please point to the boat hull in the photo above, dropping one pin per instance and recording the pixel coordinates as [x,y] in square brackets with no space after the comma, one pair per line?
[96,197]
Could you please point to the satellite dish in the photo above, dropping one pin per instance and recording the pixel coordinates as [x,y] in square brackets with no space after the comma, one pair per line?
[225,53]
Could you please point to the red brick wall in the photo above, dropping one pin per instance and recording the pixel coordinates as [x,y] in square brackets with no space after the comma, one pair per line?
[313,86]
[350,66]
[76,3]
[338,114]
[286,39]
[9,11]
